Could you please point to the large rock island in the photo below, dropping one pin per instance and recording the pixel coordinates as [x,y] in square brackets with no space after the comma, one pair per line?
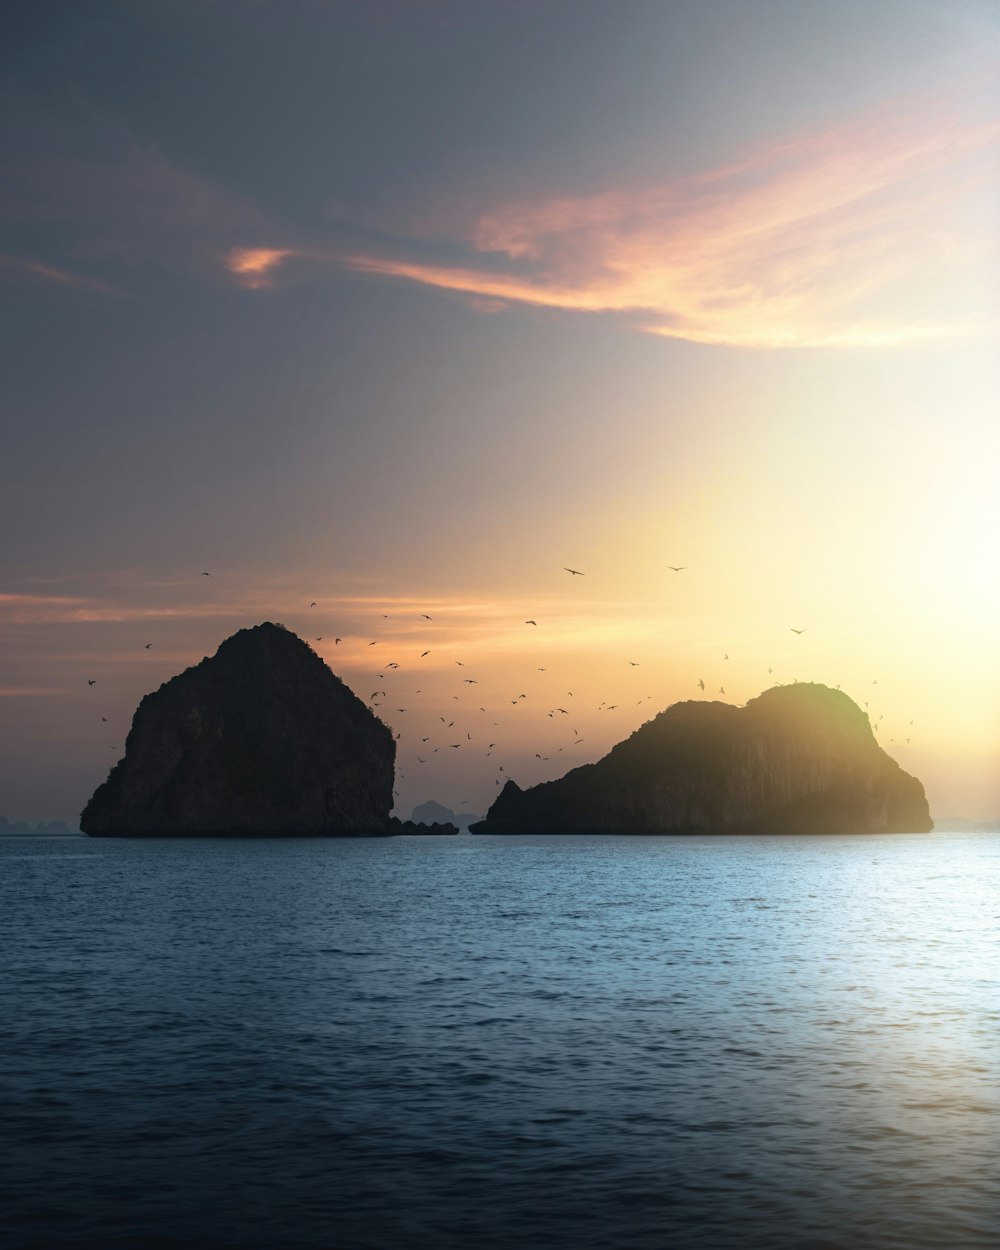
[797,759]
[260,739]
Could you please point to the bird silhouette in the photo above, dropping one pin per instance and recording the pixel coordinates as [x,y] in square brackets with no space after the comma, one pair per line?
[423,653]
[634,663]
[313,604]
[470,681]
[701,684]
[531,622]
[575,572]
[336,641]
[148,645]
[677,568]
[426,617]
[206,574]
[796,631]
[91,681]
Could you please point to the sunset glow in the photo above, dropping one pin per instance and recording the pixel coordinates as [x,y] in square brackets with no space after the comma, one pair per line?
[741,321]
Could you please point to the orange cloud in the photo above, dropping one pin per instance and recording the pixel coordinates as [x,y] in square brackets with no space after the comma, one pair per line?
[862,235]
[253,265]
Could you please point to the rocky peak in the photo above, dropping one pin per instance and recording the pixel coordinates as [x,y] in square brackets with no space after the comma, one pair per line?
[261,738]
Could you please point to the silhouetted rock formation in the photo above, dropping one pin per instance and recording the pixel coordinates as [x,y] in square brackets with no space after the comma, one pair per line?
[421,827]
[260,739]
[797,759]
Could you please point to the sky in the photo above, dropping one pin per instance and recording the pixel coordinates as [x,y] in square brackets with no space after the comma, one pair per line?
[402,308]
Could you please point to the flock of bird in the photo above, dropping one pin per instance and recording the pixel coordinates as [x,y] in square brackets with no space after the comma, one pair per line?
[388,700]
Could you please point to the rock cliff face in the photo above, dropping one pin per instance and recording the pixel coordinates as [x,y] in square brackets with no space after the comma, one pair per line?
[797,759]
[261,738]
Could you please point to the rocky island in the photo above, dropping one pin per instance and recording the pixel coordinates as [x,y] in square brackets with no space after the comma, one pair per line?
[797,759]
[260,739]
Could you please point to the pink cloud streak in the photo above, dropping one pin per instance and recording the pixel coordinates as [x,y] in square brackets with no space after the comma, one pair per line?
[834,238]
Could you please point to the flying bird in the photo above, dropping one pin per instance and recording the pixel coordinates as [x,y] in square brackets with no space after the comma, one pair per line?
[313,604]
[470,681]
[575,572]
[148,645]
[423,653]
[701,684]
[337,640]
[677,568]
[426,617]
[531,622]
[91,681]
[796,631]
[634,663]
[206,574]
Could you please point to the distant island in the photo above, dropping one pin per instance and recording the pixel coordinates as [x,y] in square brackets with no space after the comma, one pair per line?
[21,828]
[800,758]
[261,739]
[434,812]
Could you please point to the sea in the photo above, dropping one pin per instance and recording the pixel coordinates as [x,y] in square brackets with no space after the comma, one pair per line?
[490,1043]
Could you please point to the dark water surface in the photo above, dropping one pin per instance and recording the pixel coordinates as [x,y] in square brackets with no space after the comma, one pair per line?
[480,1042]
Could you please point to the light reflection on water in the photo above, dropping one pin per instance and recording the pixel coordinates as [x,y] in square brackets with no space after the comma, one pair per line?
[489,1042]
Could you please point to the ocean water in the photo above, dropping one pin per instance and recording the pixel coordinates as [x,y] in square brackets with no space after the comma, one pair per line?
[470,1043]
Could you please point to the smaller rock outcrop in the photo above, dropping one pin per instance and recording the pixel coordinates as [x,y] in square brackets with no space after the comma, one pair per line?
[260,739]
[797,759]
[411,828]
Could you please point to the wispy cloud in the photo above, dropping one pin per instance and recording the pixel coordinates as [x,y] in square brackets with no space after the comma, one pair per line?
[834,238]
[22,267]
